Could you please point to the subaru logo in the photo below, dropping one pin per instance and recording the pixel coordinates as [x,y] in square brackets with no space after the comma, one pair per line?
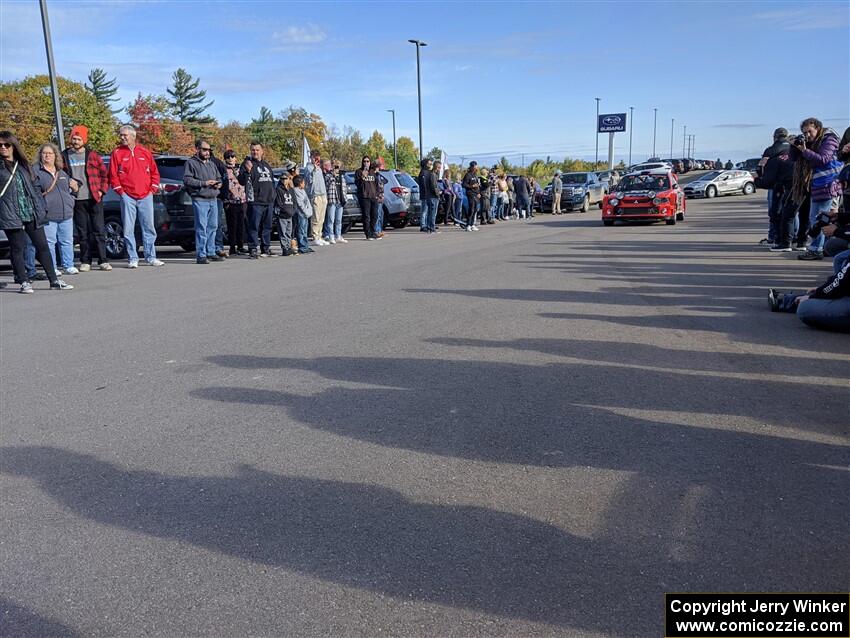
[611,120]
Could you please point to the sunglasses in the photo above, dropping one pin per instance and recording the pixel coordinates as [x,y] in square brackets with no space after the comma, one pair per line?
[206,149]
[5,145]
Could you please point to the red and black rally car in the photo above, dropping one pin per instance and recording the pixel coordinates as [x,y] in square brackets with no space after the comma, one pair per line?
[645,196]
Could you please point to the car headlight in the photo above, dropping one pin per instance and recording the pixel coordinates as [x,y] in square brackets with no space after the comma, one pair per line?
[614,201]
[578,191]
[660,200]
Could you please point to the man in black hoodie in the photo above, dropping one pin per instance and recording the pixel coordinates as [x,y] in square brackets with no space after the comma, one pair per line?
[826,307]
[256,175]
[472,186]
[779,147]
[429,193]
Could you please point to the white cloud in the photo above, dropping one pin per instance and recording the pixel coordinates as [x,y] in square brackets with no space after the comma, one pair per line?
[310,34]
[807,19]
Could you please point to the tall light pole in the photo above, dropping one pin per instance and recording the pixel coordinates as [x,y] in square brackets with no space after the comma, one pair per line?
[419,44]
[672,124]
[395,152]
[684,137]
[631,129]
[596,128]
[654,128]
[51,68]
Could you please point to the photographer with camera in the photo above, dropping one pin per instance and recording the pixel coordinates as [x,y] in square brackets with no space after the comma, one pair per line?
[816,172]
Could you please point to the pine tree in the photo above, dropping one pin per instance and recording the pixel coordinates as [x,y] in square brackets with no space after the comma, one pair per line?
[103,89]
[187,99]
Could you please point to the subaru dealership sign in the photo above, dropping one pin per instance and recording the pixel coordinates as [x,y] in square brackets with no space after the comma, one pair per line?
[612,123]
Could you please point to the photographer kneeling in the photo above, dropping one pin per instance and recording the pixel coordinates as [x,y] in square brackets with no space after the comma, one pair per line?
[826,307]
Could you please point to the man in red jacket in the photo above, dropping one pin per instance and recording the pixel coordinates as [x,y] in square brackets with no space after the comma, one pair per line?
[87,169]
[134,176]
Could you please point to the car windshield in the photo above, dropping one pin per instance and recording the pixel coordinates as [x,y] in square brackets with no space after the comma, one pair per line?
[710,176]
[406,180]
[574,178]
[644,183]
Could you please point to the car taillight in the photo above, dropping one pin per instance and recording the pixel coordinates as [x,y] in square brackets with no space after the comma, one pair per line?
[169,188]
[397,190]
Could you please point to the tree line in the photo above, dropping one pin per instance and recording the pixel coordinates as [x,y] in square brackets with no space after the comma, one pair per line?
[170,123]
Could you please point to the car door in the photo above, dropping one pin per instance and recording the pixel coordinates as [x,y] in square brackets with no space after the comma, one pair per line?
[724,182]
[594,187]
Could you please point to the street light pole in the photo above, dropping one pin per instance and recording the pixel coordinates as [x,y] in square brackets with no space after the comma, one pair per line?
[684,138]
[51,68]
[418,44]
[654,128]
[395,151]
[631,129]
[596,128]
[672,125]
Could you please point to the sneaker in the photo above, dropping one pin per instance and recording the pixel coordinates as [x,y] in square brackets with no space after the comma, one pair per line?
[85,267]
[307,250]
[263,255]
[106,266]
[780,249]
[252,254]
[798,248]
[60,285]
[214,258]
[320,242]
[380,236]
[468,229]
[72,271]
[764,242]
[810,255]
[26,288]
[156,262]
[133,264]
[222,254]
[202,260]
[772,301]
[341,240]
[371,238]
[271,254]
[474,227]
[331,240]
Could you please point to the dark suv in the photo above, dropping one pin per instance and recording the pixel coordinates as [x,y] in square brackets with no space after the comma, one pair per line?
[173,217]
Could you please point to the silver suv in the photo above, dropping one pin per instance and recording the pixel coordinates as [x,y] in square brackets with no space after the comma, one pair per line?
[721,183]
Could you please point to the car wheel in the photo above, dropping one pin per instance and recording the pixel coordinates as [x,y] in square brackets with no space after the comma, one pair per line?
[711,192]
[607,222]
[346,226]
[680,217]
[749,188]
[399,223]
[585,205]
[116,247]
[671,221]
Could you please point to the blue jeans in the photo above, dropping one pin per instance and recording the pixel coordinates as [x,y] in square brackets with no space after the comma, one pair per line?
[839,260]
[141,209]
[55,232]
[816,209]
[457,213]
[379,218]
[494,204]
[428,219]
[206,225]
[826,314]
[301,224]
[333,221]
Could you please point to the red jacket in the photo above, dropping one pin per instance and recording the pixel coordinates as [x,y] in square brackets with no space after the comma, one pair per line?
[133,172]
[95,172]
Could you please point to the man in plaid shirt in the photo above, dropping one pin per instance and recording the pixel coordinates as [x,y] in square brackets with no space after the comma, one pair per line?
[336,187]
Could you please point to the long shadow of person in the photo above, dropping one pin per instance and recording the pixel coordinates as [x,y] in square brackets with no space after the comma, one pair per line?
[372,538]
[16,621]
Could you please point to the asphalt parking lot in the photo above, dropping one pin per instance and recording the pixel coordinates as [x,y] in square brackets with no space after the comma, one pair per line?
[533,430]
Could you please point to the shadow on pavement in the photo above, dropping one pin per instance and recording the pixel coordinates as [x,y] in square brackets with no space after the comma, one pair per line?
[17,621]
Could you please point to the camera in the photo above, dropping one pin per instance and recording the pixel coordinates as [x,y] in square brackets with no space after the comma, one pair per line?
[823,219]
[799,140]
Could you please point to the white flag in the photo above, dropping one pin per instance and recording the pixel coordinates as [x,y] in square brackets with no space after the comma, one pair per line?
[305,153]
[443,163]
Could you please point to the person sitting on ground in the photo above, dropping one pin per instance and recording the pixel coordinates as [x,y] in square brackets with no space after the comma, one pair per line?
[826,307]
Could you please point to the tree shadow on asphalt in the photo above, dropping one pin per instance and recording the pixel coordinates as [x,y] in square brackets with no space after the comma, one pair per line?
[19,622]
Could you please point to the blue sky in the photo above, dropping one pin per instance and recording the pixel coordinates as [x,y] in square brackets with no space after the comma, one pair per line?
[498,77]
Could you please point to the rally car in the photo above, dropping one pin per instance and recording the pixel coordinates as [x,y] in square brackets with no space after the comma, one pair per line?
[645,196]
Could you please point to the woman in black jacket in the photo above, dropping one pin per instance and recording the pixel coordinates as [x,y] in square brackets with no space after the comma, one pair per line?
[22,214]
[369,195]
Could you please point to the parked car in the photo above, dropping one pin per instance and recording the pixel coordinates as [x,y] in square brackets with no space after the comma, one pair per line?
[579,190]
[414,212]
[721,183]
[645,196]
[173,217]
[4,245]
[605,178]
[649,166]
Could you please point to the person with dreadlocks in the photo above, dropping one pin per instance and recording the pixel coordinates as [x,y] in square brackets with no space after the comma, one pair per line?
[816,170]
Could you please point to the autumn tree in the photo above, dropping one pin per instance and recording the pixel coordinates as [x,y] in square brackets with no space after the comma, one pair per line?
[147,113]
[187,100]
[103,89]
[408,155]
[26,109]
[376,146]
